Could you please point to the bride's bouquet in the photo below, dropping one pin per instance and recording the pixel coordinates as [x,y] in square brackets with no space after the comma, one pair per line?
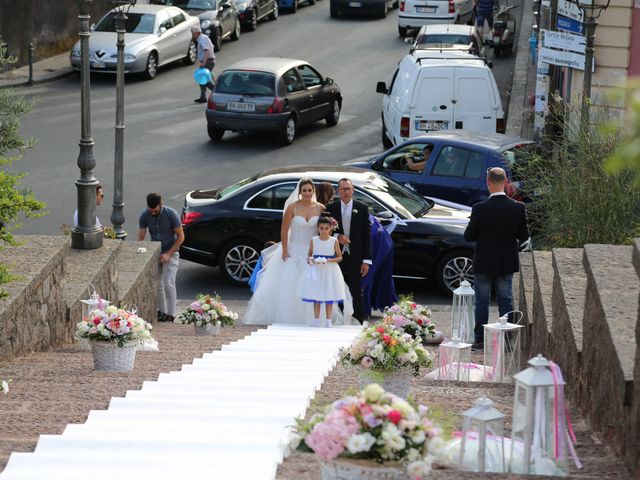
[207,310]
[412,318]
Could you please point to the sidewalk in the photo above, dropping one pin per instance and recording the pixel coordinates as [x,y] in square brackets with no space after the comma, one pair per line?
[45,70]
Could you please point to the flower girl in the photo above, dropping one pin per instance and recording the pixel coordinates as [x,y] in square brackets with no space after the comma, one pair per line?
[322,281]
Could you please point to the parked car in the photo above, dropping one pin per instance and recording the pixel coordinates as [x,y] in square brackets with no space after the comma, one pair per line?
[219,19]
[155,36]
[456,168]
[227,227]
[271,94]
[416,13]
[439,91]
[292,5]
[378,8]
[251,11]
[443,37]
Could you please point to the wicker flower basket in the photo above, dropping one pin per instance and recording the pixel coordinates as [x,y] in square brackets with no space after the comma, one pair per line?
[206,329]
[350,469]
[108,356]
[397,382]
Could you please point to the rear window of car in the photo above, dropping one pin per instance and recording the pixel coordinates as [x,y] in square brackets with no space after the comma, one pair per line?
[240,82]
[443,39]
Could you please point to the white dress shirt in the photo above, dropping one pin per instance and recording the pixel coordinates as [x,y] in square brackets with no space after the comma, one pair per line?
[494,194]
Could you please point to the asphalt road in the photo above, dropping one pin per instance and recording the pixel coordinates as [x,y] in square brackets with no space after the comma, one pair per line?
[166,145]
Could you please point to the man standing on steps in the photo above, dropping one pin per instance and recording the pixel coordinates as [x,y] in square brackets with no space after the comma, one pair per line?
[205,59]
[164,226]
[498,226]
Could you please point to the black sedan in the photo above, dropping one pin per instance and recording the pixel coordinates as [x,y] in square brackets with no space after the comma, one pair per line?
[219,19]
[253,10]
[228,227]
[271,94]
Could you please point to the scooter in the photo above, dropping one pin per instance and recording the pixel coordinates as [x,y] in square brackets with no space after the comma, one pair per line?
[504,30]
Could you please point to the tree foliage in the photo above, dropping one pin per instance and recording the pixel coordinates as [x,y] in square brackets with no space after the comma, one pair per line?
[15,198]
[627,156]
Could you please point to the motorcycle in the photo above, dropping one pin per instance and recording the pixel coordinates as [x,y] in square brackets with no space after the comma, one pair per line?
[504,30]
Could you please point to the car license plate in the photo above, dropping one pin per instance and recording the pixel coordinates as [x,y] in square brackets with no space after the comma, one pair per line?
[241,106]
[97,64]
[355,4]
[426,9]
[431,125]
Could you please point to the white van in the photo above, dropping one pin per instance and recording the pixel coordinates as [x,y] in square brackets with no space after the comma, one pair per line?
[433,91]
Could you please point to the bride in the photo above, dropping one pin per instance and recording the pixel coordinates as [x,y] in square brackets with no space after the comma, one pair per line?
[275,299]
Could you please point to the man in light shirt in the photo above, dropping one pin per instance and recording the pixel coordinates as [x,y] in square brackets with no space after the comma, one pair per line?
[205,59]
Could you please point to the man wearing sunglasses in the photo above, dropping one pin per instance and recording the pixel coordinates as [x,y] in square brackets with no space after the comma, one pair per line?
[498,226]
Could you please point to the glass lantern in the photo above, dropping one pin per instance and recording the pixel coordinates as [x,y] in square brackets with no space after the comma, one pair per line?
[482,443]
[454,361]
[462,315]
[93,302]
[501,350]
[539,436]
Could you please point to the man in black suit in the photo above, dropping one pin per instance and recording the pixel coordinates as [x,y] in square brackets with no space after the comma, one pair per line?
[498,226]
[354,234]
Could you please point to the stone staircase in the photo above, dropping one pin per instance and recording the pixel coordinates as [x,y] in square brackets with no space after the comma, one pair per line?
[582,306]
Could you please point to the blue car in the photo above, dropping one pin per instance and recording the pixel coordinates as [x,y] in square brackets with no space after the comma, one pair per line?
[292,5]
[454,169]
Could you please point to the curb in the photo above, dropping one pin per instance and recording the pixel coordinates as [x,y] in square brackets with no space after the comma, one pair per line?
[36,81]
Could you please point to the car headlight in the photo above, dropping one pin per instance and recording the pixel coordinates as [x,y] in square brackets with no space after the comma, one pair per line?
[205,24]
[129,57]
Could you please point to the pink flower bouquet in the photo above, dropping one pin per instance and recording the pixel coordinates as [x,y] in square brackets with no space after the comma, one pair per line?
[207,310]
[114,325]
[412,318]
[372,425]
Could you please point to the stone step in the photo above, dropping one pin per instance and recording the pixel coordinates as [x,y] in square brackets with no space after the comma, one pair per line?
[609,348]
[542,310]
[569,290]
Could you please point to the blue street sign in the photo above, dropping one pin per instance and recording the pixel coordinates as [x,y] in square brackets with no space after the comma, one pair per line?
[569,25]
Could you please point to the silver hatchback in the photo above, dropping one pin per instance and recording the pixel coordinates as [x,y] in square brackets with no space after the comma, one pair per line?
[271,94]
[155,36]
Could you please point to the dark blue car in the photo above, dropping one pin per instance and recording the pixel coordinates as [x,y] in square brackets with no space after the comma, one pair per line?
[455,170]
[292,5]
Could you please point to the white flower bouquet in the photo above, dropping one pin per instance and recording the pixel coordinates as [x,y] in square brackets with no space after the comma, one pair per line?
[207,310]
[114,325]
[412,318]
[387,348]
[373,425]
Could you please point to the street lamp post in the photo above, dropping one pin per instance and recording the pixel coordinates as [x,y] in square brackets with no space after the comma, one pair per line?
[86,234]
[121,7]
[591,10]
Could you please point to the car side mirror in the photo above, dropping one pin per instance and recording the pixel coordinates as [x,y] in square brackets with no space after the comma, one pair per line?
[385,215]
[328,81]
[92,27]
[377,166]
[381,87]
[225,5]
[162,30]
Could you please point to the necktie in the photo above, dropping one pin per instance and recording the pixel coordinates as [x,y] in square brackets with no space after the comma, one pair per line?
[346,224]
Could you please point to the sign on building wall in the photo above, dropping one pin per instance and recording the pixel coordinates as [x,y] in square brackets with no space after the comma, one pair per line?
[570,10]
[562,58]
[564,41]
[569,25]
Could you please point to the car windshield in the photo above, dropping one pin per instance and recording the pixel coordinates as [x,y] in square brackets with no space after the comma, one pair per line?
[135,23]
[231,189]
[242,82]
[193,4]
[404,201]
[443,40]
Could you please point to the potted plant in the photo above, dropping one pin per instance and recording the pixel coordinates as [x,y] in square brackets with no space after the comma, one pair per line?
[114,333]
[207,314]
[371,435]
[387,355]
[413,318]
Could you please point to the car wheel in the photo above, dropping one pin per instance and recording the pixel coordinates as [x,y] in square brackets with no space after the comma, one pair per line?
[151,69]
[215,134]
[311,2]
[396,4]
[385,9]
[452,269]
[334,115]
[275,12]
[386,143]
[288,132]
[402,31]
[235,35]
[217,40]
[333,11]
[294,8]
[238,259]
[190,59]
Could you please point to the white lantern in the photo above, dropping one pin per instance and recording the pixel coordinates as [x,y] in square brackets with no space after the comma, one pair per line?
[462,314]
[93,302]
[454,361]
[501,350]
[483,435]
[539,435]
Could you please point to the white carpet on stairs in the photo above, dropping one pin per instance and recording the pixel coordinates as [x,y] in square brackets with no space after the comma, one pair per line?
[227,416]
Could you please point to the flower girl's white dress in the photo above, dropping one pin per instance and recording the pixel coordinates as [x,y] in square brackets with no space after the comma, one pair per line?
[323,282]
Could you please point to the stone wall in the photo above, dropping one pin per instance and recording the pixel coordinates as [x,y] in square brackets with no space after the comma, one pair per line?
[33,316]
[541,309]
[138,276]
[632,453]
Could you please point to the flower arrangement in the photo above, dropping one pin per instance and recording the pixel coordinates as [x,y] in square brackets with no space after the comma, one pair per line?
[114,325]
[207,310]
[373,425]
[4,386]
[387,348]
[413,318]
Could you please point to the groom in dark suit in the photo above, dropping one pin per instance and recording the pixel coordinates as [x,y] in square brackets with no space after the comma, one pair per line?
[354,235]
[498,226]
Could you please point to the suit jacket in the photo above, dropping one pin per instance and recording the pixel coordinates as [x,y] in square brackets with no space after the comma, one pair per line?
[359,232]
[498,226]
